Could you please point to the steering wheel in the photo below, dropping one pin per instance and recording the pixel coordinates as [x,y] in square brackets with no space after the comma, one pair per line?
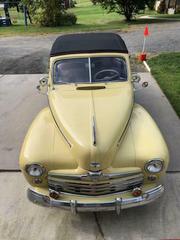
[106,74]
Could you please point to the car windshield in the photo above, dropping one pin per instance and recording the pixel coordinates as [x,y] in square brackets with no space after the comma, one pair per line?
[90,70]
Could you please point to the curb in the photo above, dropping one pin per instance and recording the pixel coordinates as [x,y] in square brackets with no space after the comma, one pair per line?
[159,18]
[147,66]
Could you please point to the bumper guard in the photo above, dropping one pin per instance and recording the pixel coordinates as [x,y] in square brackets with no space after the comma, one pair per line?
[116,205]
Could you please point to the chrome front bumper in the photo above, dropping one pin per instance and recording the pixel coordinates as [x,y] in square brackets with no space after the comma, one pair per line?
[116,205]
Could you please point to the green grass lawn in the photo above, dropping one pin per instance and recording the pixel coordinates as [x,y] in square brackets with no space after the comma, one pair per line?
[166,70]
[95,16]
[89,17]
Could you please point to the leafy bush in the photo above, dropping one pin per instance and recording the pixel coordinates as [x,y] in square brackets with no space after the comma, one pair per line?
[59,19]
[50,13]
[126,7]
[66,19]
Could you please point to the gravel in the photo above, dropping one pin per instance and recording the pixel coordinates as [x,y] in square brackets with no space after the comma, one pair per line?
[22,54]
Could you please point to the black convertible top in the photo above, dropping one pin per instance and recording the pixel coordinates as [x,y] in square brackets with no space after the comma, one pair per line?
[88,43]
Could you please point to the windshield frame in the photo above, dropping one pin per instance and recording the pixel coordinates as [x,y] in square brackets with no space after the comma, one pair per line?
[88,57]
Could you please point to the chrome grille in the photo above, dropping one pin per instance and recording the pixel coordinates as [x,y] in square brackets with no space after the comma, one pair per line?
[93,186]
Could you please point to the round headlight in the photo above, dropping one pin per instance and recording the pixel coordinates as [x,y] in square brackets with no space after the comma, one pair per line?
[154,166]
[35,170]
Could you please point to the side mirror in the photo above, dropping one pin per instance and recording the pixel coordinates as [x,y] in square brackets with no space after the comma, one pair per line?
[43,84]
[136,78]
[145,84]
[43,81]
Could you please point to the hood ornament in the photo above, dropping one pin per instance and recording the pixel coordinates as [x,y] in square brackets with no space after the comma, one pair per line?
[95,165]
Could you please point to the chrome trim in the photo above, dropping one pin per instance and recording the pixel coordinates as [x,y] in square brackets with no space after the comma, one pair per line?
[122,175]
[95,185]
[95,176]
[88,176]
[73,205]
[118,205]
[87,196]
[115,205]
[129,179]
[90,73]
[94,132]
[151,160]
[37,164]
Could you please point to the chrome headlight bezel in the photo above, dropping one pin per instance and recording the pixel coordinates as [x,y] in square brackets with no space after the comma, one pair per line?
[157,164]
[37,168]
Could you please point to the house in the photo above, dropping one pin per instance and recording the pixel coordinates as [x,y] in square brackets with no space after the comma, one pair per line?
[171,6]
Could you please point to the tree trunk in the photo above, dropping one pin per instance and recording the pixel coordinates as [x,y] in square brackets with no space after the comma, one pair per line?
[128,18]
[29,16]
[7,13]
[128,15]
[127,12]
[175,6]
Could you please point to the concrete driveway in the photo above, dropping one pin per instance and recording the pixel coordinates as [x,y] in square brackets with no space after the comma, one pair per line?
[19,104]
[22,220]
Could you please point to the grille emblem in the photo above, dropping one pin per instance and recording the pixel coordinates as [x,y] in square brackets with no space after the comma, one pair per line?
[94,176]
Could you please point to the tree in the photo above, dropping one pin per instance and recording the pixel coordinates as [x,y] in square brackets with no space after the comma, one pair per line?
[151,4]
[126,7]
[49,12]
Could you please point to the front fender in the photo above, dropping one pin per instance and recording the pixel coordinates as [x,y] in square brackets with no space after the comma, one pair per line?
[45,145]
[142,142]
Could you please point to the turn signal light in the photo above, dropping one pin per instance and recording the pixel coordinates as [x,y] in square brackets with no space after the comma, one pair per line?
[54,195]
[37,181]
[137,192]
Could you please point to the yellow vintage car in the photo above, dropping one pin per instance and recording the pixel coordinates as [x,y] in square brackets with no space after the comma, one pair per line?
[93,148]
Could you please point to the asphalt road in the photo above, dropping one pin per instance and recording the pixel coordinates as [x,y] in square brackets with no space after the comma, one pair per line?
[19,55]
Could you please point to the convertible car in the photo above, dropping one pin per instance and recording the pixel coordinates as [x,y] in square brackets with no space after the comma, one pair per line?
[93,148]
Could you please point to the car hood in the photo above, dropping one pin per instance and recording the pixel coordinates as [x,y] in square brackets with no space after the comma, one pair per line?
[92,121]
